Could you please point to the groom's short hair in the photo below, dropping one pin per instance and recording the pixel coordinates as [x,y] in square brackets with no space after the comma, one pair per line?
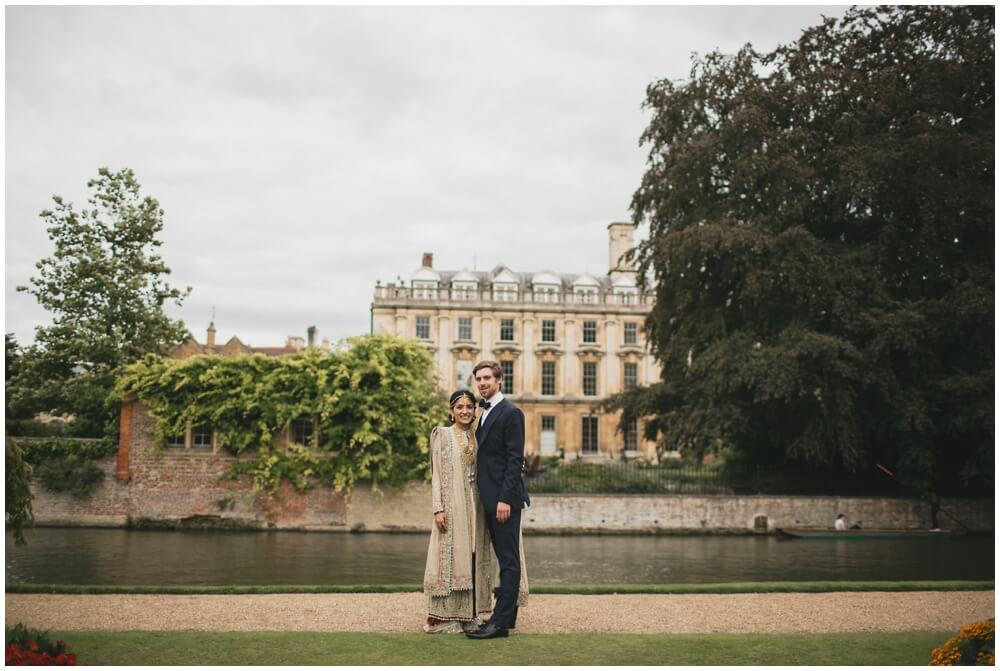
[492,365]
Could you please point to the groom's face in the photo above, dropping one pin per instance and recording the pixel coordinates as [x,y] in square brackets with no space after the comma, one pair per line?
[487,383]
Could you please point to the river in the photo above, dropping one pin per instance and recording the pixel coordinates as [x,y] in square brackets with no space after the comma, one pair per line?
[132,557]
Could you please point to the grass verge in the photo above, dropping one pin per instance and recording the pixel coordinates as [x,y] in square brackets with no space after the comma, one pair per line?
[136,648]
[680,588]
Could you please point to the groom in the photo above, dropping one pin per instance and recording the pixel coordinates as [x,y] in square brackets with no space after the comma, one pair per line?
[500,436]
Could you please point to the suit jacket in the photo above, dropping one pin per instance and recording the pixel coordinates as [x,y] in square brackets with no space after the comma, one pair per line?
[500,458]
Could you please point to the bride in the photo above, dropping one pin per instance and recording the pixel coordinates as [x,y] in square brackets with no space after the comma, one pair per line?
[458,578]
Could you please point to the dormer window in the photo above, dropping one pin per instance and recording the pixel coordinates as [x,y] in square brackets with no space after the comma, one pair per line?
[505,293]
[546,294]
[505,285]
[425,290]
[464,287]
[424,283]
[463,291]
[585,289]
[546,287]
[625,291]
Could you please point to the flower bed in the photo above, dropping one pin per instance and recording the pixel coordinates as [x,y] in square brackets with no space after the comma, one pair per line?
[30,647]
[974,646]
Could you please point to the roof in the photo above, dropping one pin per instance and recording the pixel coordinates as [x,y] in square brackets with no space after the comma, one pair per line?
[525,280]
[232,347]
[425,274]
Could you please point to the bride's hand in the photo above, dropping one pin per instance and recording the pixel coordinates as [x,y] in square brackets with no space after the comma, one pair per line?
[441,520]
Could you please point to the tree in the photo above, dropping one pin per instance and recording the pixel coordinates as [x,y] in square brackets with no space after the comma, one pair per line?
[18,512]
[105,289]
[821,242]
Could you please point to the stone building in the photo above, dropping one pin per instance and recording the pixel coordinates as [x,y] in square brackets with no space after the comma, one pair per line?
[565,342]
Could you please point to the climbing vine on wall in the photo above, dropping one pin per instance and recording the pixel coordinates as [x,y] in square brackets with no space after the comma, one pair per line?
[375,405]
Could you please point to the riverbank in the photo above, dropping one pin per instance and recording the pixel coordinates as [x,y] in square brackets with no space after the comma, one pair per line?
[171,490]
[809,587]
[830,612]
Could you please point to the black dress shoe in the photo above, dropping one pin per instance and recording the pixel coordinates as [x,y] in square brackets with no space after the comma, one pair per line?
[489,630]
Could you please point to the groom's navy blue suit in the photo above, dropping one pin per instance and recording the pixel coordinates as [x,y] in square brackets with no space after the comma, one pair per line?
[499,478]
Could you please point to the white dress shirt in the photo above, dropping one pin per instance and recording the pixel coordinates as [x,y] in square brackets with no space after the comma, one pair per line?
[494,401]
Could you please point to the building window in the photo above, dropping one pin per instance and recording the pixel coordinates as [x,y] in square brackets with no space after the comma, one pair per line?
[503,293]
[546,294]
[507,330]
[463,292]
[548,330]
[631,377]
[589,433]
[630,333]
[176,441]
[425,291]
[548,437]
[424,328]
[632,434]
[302,431]
[201,438]
[508,377]
[589,378]
[586,295]
[548,378]
[465,328]
[463,374]
[589,331]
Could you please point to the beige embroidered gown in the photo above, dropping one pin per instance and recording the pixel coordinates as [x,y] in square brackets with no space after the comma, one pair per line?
[448,576]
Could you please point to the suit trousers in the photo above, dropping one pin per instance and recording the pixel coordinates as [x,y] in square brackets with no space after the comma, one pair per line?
[506,545]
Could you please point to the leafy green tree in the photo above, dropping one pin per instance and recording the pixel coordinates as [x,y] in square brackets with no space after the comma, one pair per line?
[821,242]
[105,289]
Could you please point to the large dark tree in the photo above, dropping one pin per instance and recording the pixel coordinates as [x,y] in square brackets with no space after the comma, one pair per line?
[105,289]
[821,241]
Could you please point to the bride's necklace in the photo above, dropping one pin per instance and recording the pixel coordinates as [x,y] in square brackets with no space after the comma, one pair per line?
[464,439]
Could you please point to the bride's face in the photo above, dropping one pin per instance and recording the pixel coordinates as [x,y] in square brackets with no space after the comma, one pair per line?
[464,412]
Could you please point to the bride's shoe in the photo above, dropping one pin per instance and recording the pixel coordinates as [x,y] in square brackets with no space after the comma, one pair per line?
[447,627]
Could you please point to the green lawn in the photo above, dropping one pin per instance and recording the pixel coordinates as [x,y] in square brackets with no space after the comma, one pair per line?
[300,648]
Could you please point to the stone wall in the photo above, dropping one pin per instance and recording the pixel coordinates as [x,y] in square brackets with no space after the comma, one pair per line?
[143,485]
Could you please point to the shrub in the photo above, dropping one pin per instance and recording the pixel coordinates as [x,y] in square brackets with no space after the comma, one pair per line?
[972,647]
[67,464]
[70,473]
[30,647]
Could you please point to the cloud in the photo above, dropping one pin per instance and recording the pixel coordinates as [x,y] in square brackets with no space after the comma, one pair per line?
[303,153]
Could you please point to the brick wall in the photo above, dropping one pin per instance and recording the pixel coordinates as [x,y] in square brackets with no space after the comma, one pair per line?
[172,485]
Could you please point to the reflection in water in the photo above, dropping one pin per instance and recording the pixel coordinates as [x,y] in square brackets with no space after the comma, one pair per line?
[116,556]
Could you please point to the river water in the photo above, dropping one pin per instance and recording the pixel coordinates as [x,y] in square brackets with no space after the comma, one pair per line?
[130,557]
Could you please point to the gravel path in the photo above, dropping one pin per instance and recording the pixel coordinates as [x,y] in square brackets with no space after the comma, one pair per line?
[545,614]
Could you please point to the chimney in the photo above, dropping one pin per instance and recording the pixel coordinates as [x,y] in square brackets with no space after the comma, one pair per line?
[311,331]
[211,334]
[619,242]
[428,261]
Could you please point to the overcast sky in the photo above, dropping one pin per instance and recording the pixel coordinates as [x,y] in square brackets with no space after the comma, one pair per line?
[303,153]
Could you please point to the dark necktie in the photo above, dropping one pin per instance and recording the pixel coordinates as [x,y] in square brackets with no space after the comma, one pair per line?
[483,403]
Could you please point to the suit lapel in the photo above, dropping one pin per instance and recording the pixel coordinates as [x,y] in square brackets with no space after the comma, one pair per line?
[484,431]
